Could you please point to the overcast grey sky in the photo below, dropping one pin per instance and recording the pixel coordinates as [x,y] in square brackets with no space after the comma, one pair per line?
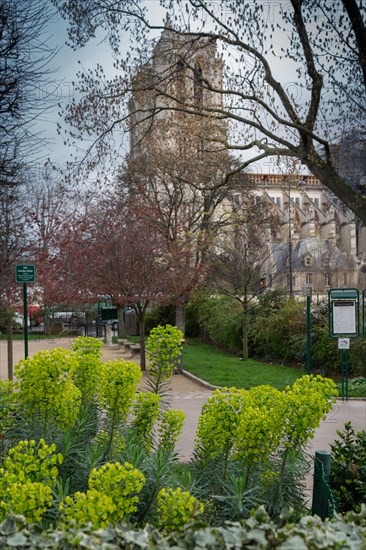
[67,63]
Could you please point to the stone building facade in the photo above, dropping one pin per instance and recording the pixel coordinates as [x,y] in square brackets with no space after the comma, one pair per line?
[317,244]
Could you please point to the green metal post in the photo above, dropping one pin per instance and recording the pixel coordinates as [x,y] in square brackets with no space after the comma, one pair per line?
[25,314]
[342,372]
[308,335]
[321,493]
[346,352]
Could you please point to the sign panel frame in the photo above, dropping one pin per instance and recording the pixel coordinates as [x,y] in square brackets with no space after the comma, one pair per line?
[344,312]
[25,273]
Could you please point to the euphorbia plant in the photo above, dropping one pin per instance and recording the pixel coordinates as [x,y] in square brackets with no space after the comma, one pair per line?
[164,346]
[47,393]
[118,384]
[27,478]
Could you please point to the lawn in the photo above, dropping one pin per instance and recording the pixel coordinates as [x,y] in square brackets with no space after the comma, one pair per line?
[224,369]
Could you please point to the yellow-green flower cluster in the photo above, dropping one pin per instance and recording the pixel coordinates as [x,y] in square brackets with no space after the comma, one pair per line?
[111,497]
[86,345]
[305,404]
[217,425]
[26,479]
[88,351]
[164,345]
[176,508]
[46,387]
[260,425]
[118,383]
[170,428]
[146,412]
[254,424]
[87,375]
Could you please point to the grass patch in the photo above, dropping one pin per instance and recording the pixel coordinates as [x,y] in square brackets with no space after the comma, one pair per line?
[224,369]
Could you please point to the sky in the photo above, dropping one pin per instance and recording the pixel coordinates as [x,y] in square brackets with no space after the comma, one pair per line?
[67,63]
[65,66]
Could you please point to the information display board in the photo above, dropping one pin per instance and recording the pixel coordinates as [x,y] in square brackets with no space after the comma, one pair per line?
[25,273]
[343,312]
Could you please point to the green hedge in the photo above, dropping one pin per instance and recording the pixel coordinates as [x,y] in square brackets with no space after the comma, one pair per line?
[348,532]
[277,330]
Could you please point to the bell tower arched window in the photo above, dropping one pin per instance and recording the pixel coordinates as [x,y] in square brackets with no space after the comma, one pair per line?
[198,82]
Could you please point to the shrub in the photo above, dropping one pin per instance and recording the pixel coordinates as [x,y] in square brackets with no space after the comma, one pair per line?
[118,384]
[220,320]
[170,428]
[47,393]
[7,413]
[159,315]
[27,478]
[85,345]
[111,497]
[258,531]
[280,334]
[348,469]
[146,412]
[86,377]
[176,508]
[164,346]
[259,434]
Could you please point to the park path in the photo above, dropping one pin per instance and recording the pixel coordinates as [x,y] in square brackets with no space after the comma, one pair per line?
[189,395]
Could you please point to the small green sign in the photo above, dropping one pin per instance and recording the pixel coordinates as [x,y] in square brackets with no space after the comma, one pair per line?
[25,273]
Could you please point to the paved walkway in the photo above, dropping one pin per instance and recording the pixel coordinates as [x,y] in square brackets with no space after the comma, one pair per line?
[189,396]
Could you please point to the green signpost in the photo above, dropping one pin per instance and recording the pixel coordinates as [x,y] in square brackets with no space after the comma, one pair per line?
[25,273]
[344,323]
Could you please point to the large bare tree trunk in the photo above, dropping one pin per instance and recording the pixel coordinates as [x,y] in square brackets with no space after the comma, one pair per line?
[121,323]
[180,318]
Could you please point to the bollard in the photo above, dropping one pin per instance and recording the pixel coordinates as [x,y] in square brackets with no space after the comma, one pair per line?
[109,335]
[321,492]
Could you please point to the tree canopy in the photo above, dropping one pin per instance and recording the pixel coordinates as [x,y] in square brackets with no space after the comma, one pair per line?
[294,77]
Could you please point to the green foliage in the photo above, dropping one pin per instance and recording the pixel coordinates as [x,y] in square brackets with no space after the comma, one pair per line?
[324,351]
[244,449]
[118,384]
[26,479]
[260,425]
[47,393]
[176,508]
[85,345]
[220,320]
[348,470]
[254,432]
[146,412]
[258,531]
[170,428]
[87,375]
[111,497]
[280,334]
[164,346]
[159,315]
[306,403]
[7,412]
[158,468]
[218,422]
